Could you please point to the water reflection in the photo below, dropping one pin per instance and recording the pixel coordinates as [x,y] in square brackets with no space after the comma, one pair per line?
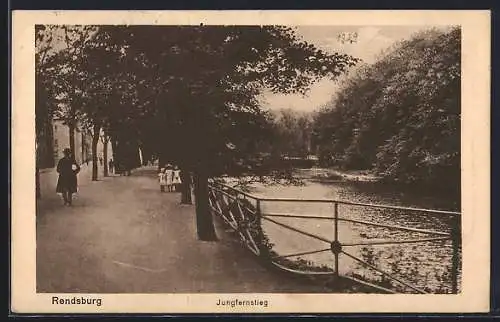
[426,265]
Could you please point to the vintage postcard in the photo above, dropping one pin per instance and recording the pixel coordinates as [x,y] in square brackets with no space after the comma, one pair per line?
[250,161]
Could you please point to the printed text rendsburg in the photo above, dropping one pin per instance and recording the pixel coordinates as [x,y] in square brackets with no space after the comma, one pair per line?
[76,300]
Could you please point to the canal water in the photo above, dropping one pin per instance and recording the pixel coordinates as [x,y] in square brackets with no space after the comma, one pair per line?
[426,265]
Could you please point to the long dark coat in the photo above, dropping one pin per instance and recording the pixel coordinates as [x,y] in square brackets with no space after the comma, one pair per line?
[67,176]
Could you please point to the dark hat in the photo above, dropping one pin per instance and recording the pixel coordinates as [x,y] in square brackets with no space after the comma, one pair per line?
[67,151]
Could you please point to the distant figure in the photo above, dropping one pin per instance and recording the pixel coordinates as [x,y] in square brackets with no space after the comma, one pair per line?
[168,177]
[162,179]
[87,161]
[111,165]
[125,171]
[100,160]
[176,181]
[123,168]
[67,181]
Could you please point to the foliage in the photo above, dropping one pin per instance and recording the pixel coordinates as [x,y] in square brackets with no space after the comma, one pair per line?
[293,133]
[88,85]
[201,84]
[45,93]
[401,115]
[62,77]
[187,93]
[198,83]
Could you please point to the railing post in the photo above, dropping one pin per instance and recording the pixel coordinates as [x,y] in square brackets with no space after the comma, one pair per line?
[210,198]
[456,240]
[263,251]
[336,236]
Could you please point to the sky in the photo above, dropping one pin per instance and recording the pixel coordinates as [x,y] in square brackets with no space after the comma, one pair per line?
[371,40]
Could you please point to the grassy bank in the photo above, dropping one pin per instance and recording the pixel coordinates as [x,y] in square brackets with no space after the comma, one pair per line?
[331,174]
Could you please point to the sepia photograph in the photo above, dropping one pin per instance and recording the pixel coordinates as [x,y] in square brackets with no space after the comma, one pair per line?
[242,161]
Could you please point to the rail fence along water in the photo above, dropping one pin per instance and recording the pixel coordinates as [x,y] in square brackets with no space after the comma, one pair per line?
[343,254]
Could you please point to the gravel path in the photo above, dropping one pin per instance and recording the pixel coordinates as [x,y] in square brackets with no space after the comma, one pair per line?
[123,236]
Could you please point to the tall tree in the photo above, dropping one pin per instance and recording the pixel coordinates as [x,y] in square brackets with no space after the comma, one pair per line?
[75,39]
[400,116]
[105,144]
[45,58]
[42,113]
[92,85]
[191,93]
[211,78]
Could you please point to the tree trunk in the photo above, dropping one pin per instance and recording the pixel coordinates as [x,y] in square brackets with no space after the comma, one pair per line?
[116,156]
[105,156]
[113,149]
[95,141]
[204,221]
[186,187]
[37,182]
[37,170]
[137,162]
[83,147]
[71,127]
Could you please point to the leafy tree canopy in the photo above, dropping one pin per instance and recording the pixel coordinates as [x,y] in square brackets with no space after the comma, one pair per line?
[401,115]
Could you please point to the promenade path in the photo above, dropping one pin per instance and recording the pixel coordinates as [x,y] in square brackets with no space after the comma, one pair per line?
[123,236]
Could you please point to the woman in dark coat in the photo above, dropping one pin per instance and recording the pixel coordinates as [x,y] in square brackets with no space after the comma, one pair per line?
[67,182]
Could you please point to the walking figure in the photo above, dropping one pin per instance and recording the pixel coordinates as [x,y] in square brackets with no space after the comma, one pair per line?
[67,181]
[176,181]
[162,179]
[111,165]
[100,160]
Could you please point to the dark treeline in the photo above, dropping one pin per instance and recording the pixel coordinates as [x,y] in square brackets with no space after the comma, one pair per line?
[400,116]
[292,135]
